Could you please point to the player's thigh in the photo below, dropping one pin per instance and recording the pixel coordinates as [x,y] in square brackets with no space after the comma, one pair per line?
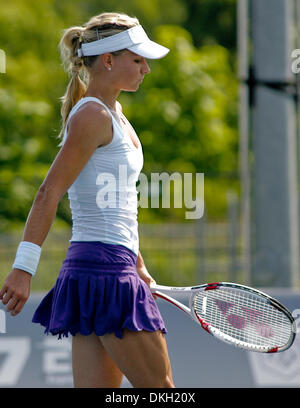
[92,365]
[142,356]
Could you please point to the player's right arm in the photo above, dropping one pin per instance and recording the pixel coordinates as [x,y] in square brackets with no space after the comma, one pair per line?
[88,129]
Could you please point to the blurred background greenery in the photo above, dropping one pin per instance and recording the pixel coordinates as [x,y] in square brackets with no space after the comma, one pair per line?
[185,112]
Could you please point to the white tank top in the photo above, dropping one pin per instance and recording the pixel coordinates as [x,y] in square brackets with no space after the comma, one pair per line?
[103,198]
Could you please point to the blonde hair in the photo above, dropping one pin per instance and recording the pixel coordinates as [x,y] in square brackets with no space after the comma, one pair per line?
[101,26]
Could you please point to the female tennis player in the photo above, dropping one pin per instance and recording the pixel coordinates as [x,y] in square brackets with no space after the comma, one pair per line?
[101,296]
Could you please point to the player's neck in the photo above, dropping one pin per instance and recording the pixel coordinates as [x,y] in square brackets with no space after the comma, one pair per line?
[106,94]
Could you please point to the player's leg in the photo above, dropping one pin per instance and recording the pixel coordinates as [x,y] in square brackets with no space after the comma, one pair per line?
[92,365]
[142,356]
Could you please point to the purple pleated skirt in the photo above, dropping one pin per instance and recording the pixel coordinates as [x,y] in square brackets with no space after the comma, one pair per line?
[98,290]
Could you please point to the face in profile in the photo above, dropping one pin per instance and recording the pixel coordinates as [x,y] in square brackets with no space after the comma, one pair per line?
[128,71]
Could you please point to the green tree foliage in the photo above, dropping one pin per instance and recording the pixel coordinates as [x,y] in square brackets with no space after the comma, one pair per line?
[212,22]
[184,112]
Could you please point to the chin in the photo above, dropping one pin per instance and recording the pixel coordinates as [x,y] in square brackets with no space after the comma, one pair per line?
[131,89]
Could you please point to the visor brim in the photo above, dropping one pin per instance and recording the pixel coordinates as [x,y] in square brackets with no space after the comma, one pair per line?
[149,49]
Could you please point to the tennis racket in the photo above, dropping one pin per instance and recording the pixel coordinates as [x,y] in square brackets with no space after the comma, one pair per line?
[236,314]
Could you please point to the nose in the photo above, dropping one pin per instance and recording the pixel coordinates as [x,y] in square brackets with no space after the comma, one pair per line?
[146,68]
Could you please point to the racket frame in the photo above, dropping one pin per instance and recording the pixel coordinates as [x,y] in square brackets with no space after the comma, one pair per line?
[161,291]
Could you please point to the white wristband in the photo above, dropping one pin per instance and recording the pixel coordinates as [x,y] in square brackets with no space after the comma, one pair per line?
[27,257]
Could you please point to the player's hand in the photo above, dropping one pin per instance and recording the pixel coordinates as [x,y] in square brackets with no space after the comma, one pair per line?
[15,291]
[145,275]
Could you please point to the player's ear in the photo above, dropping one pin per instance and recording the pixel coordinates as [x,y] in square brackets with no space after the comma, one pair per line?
[107,61]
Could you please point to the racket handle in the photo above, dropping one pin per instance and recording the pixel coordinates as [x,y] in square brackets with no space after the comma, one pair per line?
[154,288]
[174,302]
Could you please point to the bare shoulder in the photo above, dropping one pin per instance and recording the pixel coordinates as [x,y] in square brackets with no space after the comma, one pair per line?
[89,128]
[92,123]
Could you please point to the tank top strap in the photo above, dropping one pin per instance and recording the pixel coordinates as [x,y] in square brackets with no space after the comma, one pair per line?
[81,102]
[90,99]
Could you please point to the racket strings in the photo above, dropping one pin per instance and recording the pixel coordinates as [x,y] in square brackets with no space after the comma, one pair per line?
[243,316]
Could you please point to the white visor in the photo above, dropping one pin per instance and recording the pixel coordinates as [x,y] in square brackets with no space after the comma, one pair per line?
[135,39]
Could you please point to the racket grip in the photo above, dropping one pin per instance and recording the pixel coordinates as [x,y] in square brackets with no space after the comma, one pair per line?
[168,289]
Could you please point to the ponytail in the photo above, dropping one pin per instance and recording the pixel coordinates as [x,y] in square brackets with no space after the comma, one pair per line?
[74,66]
